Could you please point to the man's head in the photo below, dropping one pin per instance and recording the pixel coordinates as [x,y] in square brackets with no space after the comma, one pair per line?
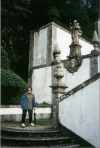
[29,90]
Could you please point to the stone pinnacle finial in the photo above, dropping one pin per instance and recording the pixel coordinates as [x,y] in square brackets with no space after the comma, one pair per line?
[95,37]
[96,42]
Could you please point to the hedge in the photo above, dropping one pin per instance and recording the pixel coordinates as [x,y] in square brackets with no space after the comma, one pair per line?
[9,78]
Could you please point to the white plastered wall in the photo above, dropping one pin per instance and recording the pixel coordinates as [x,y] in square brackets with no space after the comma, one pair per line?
[81,113]
[41,79]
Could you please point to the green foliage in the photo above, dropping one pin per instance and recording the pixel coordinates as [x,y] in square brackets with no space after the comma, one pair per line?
[53,14]
[9,78]
[10,95]
[12,86]
[44,104]
[14,42]
[5,62]
[84,11]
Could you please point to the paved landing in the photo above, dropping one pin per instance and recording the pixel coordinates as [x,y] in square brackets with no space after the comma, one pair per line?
[17,126]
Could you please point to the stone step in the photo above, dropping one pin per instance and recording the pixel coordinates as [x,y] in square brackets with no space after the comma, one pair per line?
[40,136]
[22,141]
[53,146]
[31,133]
[32,136]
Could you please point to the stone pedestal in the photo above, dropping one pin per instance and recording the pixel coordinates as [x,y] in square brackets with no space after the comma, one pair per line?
[58,86]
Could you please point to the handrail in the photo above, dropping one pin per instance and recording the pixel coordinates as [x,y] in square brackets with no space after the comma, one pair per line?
[79,87]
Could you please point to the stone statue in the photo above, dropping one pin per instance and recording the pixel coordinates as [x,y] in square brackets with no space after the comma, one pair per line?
[76,32]
[74,59]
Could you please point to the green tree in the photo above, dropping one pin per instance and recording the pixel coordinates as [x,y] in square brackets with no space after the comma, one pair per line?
[12,85]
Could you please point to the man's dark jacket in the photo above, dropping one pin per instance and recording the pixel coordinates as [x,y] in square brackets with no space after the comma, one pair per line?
[24,102]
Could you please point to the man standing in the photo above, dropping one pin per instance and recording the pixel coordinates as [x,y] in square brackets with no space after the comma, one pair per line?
[27,103]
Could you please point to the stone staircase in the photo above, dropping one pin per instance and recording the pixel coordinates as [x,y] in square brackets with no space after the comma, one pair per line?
[43,135]
[40,136]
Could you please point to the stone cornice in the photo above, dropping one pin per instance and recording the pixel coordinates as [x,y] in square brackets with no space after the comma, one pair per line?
[93,54]
[63,27]
[83,57]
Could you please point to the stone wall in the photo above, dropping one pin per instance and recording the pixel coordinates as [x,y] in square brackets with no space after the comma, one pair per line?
[14,113]
[41,80]
[83,73]
[80,113]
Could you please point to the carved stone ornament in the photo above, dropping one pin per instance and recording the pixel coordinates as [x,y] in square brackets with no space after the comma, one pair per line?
[59,71]
[72,64]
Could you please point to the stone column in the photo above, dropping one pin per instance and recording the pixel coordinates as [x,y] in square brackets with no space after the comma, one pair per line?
[58,86]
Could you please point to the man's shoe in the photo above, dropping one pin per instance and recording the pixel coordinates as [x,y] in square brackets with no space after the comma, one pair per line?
[32,124]
[23,125]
